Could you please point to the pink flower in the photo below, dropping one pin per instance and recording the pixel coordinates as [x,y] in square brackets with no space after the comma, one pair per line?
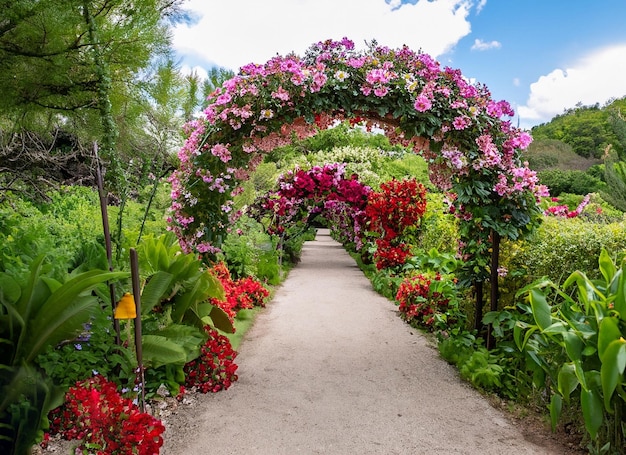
[422,103]
[381,91]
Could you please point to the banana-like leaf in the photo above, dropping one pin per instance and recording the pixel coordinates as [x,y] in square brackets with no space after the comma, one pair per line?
[154,290]
[608,332]
[607,268]
[556,404]
[541,309]
[592,411]
[587,291]
[159,351]
[59,315]
[10,290]
[613,366]
[187,337]
[221,320]
[567,381]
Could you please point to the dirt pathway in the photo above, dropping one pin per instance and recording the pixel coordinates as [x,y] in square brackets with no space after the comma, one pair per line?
[329,368]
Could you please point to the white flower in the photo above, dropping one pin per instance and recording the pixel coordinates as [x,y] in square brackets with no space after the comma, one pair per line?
[341,75]
[267,114]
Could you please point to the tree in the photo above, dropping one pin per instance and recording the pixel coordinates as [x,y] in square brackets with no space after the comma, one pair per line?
[90,52]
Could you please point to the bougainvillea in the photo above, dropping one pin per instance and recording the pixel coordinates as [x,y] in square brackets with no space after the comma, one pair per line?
[472,149]
[241,294]
[564,211]
[105,422]
[425,300]
[215,369]
[392,213]
[320,190]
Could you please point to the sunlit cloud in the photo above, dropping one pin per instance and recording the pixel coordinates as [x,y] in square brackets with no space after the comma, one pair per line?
[596,78]
[228,38]
[480,45]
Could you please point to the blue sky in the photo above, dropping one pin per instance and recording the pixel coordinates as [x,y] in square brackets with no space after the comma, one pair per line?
[543,56]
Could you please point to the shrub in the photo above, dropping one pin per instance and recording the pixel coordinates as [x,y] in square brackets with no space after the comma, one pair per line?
[428,301]
[215,369]
[105,422]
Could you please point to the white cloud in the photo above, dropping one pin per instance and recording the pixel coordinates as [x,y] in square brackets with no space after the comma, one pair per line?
[480,45]
[232,33]
[516,82]
[595,78]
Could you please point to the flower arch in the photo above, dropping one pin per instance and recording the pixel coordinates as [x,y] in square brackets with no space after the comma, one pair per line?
[472,150]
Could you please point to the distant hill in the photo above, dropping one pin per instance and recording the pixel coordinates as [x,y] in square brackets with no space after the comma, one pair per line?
[580,137]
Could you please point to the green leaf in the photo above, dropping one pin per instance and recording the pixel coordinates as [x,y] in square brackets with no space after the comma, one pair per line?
[159,351]
[592,411]
[154,290]
[541,309]
[607,268]
[613,365]
[567,380]
[608,332]
[573,345]
[221,321]
[556,405]
[10,290]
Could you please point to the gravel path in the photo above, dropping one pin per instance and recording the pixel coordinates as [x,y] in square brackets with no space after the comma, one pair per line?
[329,368]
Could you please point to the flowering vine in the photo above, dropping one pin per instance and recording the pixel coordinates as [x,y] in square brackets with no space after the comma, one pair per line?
[320,190]
[472,150]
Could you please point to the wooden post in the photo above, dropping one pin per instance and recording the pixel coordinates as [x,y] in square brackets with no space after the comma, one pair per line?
[495,255]
[107,241]
[480,302]
[134,271]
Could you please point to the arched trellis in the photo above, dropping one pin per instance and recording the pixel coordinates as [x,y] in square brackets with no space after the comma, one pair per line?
[473,152]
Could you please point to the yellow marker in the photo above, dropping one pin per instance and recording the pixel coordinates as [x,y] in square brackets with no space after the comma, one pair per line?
[126,308]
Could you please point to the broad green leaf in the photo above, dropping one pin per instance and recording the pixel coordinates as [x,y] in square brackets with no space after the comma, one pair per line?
[556,404]
[592,411]
[55,326]
[620,295]
[567,380]
[541,309]
[613,365]
[608,332]
[10,290]
[573,345]
[557,327]
[607,268]
[158,351]
[154,289]
[77,285]
[580,374]
[221,321]
[587,291]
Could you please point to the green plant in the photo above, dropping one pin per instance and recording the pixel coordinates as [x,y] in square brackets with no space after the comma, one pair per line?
[37,312]
[587,324]
[175,307]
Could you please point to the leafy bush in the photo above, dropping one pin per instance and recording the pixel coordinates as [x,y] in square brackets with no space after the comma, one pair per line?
[575,182]
[106,423]
[558,247]
[428,301]
[584,322]
[215,369]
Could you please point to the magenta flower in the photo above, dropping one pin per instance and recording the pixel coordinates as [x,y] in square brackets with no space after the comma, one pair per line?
[422,103]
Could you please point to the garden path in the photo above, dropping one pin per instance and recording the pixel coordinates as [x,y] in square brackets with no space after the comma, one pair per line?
[329,368]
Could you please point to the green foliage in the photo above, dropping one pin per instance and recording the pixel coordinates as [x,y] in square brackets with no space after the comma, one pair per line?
[558,247]
[93,349]
[438,228]
[587,129]
[615,177]
[575,182]
[37,312]
[249,251]
[584,320]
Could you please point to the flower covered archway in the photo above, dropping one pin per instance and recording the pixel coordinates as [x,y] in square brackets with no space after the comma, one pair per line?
[472,149]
